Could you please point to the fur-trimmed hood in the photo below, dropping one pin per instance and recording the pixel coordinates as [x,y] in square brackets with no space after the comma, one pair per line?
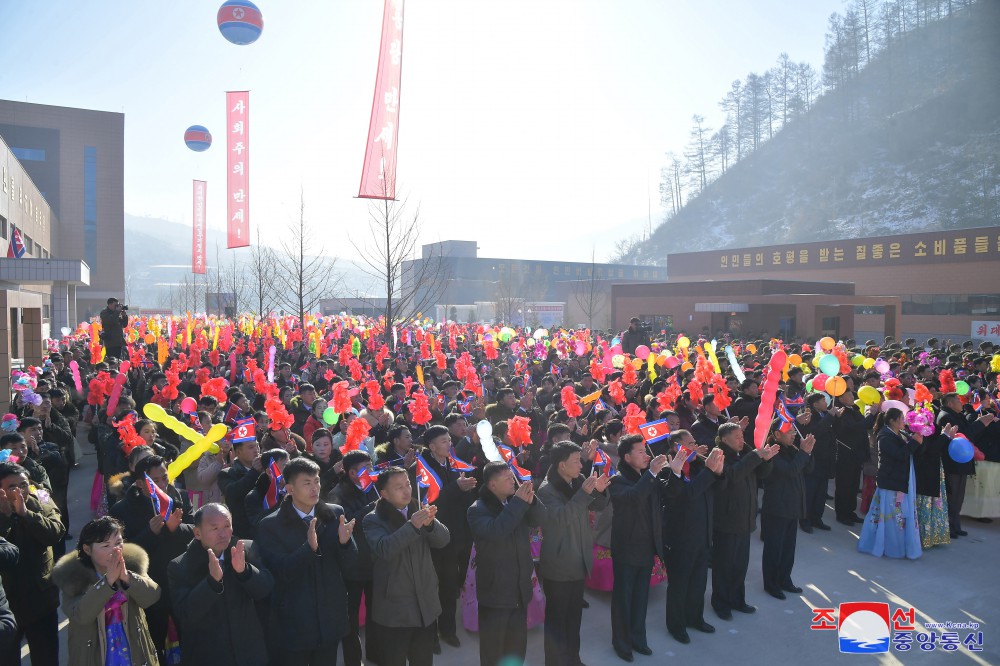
[73,577]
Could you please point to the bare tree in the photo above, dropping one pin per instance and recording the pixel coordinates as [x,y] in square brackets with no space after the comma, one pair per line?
[591,294]
[409,283]
[304,274]
[698,153]
[261,293]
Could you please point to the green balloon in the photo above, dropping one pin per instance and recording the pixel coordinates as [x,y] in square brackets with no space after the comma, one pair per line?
[809,385]
[961,387]
[330,416]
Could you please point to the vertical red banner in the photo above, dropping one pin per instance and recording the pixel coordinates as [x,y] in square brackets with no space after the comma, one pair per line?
[378,176]
[198,228]
[238,177]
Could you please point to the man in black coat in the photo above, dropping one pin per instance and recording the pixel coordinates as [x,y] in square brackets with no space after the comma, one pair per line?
[636,538]
[501,521]
[706,426]
[819,422]
[851,430]
[238,480]
[113,322]
[687,534]
[215,585]
[452,561]
[163,540]
[634,336]
[747,405]
[957,474]
[735,519]
[258,502]
[309,549]
[783,506]
[358,500]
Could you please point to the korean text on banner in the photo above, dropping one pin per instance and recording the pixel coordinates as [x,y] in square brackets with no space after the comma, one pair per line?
[378,176]
[198,228]
[238,177]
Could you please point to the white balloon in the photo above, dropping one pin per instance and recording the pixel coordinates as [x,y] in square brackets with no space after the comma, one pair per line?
[65,330]
[484,429]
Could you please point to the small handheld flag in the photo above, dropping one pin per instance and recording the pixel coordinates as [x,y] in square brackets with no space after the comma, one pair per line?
[511,459]
[426,478]
[273,495]
[163,504]
[655,431]
[366,479]
[245,430]
[458,464]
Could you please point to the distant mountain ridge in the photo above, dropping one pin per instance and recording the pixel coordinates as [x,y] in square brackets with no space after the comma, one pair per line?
[912,143]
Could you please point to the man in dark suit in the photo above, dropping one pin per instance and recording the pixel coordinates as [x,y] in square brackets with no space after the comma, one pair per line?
[215,584]
[687,534]
[956,474]
[636,538]
[500,521]
[735,519]
[309,548]
[238,480]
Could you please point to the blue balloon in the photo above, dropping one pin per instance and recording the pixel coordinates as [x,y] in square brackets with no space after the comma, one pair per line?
[240,22]
[829,365]
[960,449]
[197,138]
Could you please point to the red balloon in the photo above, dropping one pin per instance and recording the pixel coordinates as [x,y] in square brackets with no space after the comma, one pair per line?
[768,391]
[819,382]
[189,405]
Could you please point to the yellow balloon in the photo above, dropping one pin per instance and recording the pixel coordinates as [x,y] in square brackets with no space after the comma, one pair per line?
[815,361]
[201,443]
[868,363]
[683,342]
[752,348]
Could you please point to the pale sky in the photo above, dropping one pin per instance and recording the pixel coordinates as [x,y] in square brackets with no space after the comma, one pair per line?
[537,127]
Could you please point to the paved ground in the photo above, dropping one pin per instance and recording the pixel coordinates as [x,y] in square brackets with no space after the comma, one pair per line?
[958,583]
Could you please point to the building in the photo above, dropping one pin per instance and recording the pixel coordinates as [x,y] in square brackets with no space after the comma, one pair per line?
[757,308]
[947,284]
[75,157]
[454,279]
[37,291]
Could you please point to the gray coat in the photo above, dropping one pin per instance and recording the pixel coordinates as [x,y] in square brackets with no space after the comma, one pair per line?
[567,543]
[404,584]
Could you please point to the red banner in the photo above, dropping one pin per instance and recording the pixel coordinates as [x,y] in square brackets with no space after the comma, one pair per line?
[378,176]
[198,228]
[238,178]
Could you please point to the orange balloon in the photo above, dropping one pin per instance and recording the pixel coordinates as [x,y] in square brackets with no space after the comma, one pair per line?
[637,363]
[149,339]
[661,360]
[795,359]
[827,343]
[752,348]
[686,366]
[836,386]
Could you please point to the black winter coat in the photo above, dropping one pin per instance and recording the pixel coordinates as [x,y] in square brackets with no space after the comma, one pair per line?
[824,453]
[135,511]
[219,620]
[736,501]
[236,482]
[453,503]
[689,509]
[784,488]
[502,534]
[970,430]
[851,431]
[8,626]
[894,460]
[357,505]
[637,519]
[28,583]
[704,430]
[927,465]
[309,604]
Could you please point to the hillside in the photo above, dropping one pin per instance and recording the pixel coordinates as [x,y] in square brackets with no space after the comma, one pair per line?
[911,143]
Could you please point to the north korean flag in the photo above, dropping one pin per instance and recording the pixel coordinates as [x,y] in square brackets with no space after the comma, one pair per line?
[511,459]
[233,414]
[245,430]
[655,431]
[366,479]
[783,415]
[458,464]
[273,495]
[163,504]
[16,248]
[427,479]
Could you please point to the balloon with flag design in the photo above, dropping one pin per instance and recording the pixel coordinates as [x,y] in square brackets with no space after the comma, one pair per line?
[198,138]
[240,22]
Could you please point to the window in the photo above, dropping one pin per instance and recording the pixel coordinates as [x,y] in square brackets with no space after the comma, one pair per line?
[28,154]
[90,206]
[45,254]
[28,244]
[3,227]
[951,304]
[46,312]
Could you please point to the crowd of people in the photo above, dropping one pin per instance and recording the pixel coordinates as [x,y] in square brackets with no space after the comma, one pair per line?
[284,492]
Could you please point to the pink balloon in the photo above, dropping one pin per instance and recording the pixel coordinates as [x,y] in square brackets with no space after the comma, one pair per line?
[819,382]
[642,351]
[672,362]
[189,405]
[77,382]
[580,348]
[116,390]
[887,404]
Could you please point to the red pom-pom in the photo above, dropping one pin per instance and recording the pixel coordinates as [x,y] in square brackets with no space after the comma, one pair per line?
[721,393]
[216,388]
[921,394]
[666,399]
[570,402]
[947,381]
[420,409]
[356,433]
[695,391]
[375,399]
[341,398]
[617,391]
[519,431]
[279,416]
[633,419]
[201,376]
[629,376]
